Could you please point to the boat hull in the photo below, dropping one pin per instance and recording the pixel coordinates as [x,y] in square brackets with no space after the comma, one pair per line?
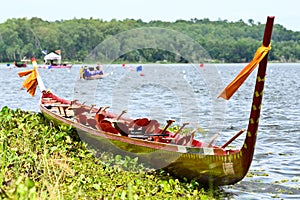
[209,166]
[182,156]
[98,76]
[56,66]
[20,65]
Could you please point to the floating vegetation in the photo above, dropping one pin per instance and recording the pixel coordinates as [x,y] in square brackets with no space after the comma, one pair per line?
[41,161]
[255,173]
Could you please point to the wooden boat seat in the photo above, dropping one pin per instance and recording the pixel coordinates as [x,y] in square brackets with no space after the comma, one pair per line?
[48,100]
[60,107]
[82,119]
[91,122]
[186,140]
[139,126]
[48,94]
[147,136]
[79,109]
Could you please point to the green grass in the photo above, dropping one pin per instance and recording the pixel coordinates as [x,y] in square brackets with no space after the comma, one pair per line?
[41,161]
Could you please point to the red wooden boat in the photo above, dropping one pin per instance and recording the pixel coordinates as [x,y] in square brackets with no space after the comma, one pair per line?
[57,66]
[182,156]
[24,64]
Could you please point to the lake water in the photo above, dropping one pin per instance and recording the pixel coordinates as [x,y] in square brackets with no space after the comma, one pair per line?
[186,93]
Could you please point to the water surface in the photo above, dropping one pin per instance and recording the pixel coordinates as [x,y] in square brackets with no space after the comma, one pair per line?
[186,93]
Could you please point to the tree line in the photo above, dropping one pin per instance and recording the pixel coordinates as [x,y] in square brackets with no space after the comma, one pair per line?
[129,40]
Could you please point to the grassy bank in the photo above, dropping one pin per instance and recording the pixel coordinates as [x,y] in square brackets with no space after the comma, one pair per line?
[41,161]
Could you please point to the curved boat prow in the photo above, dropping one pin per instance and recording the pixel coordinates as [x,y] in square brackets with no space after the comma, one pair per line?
[261,58]
[249,145]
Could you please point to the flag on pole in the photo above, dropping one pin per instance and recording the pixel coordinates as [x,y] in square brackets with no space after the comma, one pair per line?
[243,75]
[33,80]
[139,68]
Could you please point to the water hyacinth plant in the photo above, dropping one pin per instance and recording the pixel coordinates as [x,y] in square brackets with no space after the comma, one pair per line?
[41,161]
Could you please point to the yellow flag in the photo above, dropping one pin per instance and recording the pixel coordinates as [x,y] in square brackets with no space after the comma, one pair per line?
[243,75]
[30,82]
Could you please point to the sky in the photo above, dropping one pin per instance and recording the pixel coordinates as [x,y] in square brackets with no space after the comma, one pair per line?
[286,12]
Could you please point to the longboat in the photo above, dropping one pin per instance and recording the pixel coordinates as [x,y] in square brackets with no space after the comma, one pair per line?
[92,73]
[23,64]
[53,60]
[183,156]
[57,66]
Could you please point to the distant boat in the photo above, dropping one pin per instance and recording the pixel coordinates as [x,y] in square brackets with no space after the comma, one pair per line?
[53,60]
[91,73]
[23,64]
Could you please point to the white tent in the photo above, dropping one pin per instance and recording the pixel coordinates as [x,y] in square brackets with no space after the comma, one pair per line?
[52,56]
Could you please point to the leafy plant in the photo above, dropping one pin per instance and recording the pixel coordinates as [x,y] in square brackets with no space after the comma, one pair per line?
[42,161]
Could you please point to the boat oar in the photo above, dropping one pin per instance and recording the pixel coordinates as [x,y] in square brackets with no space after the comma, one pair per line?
[92,106]
[105,107]
[180,129]
[102,108]
[233,138]
[169,122]
[172,137]
[99,110]
[213,139]
[122,113]
[186,139]
[190,138]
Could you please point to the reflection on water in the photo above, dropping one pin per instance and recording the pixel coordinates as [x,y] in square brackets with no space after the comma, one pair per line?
[183,94]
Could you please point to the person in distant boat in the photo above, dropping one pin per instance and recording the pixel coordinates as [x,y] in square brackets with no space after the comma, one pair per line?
[99,67]
[81,72]
[86,72]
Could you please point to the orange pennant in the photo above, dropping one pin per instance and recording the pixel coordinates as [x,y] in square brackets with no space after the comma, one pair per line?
[243,75]
[30,82]
[25,73]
